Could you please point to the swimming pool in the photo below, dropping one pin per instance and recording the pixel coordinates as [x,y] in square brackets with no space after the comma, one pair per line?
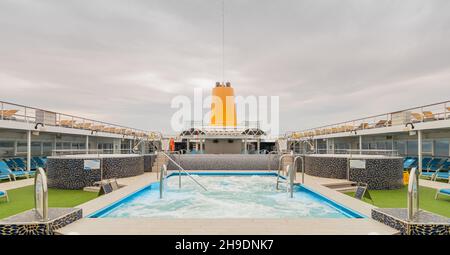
[229,195]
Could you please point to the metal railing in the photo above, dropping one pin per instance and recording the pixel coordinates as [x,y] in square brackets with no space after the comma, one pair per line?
[291,175]
[290,178]
[303,167]
[413,193]
[280,166]
[424,113]
[162,177]
[391,153]
[61,152]
[222,126]
[181,169]
[32,115]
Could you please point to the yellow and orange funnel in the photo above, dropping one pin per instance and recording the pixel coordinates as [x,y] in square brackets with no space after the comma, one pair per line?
[223,106]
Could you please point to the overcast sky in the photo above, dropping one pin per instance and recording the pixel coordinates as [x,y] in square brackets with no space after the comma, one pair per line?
[123,61]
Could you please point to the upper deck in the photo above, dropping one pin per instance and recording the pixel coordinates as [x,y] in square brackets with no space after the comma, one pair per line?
[426,117]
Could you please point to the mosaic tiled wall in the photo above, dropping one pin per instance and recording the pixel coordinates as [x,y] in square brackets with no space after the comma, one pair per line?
[380,173]
[66,173]
[385,173]
[149,159]
[327,167]
[406,228]
[47,228]
[225,162]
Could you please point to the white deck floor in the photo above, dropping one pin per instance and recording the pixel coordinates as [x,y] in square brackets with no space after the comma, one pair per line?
[16,184]
[109,226]
[224,226]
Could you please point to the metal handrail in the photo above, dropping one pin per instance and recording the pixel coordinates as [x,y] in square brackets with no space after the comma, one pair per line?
[291,175]
[161,180]
[182,169]
[386,116]
[27,118]
[357,152]
[303,167]
[280,167]
[413,202]
[44,203]
[59,152]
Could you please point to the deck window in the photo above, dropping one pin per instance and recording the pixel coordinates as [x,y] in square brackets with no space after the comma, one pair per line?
[6,149]
[441,148]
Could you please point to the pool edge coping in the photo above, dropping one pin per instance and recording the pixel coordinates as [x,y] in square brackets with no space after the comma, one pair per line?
[342,208]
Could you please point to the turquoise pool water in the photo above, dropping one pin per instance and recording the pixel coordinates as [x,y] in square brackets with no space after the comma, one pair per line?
[249,195]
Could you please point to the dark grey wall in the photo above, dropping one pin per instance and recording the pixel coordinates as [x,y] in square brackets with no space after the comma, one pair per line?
[380,173]
[69,173]
[149,159]
[225,162]
[223,147]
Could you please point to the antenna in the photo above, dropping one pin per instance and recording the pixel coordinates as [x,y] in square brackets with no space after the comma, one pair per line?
[223,41]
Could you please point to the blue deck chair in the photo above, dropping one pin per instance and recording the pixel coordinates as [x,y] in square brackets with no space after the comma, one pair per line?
[4,194]
[425,162]
[5,173]
[407,163]
[432,167]
[20,170]
[21,173]
[33,164]
[414,162]
[443,172]
[434,164]
[4,169]
[12,165]
[39,162]
[442,175]
[445,192]
[20,163]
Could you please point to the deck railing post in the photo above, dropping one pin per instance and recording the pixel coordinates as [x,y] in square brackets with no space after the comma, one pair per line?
[26,117]
[445,111]
[29,150]
[421,110]
[419,149]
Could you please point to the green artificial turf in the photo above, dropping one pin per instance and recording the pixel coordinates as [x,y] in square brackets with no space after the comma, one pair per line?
[397,199]
[22,199]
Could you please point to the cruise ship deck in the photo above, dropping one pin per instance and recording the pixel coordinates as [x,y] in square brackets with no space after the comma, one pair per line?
[331,162]
[224,118]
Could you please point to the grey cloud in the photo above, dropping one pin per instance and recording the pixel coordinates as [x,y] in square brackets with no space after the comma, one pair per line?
[327,60]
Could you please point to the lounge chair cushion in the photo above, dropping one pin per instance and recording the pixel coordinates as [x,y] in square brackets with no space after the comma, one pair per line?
[408,162]
[445,191]
[5,177]
[443,175]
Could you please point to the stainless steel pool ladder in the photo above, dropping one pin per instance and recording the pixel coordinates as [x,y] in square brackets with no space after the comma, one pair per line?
[280,167]
[162,177]
[303,168]
[289,180]
[413,194]
[181,169]
[291,177]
